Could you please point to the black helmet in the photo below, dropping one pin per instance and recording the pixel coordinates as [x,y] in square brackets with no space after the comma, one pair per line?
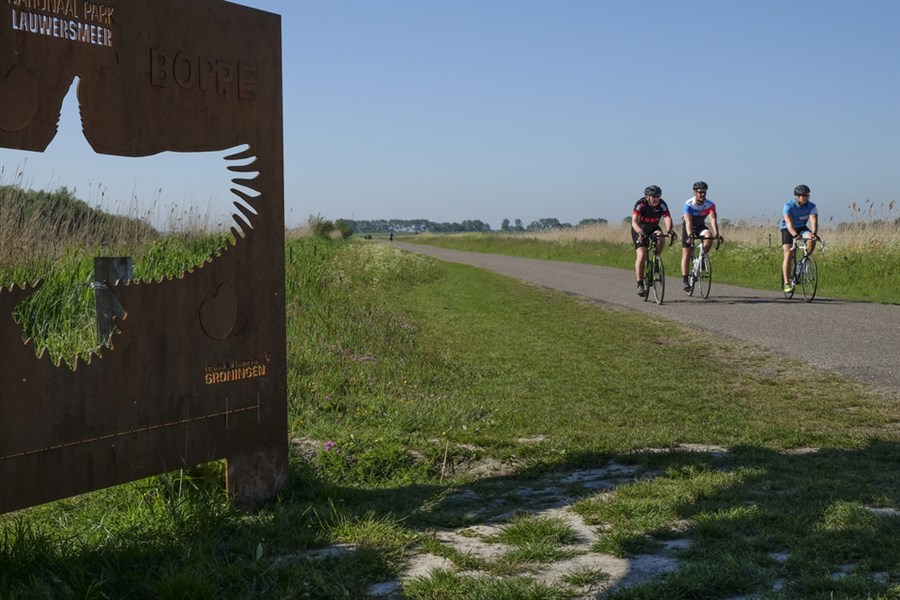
[801,190]
[653,190]
[700,185]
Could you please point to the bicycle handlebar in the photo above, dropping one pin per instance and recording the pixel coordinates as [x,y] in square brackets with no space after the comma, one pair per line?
[801,241]
[657,234]
[719,239]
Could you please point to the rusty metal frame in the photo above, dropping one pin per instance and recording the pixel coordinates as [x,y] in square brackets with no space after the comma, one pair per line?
[196,371]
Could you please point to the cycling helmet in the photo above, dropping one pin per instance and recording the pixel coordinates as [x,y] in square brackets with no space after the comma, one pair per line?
[801,190]
[653,190]
[701,185]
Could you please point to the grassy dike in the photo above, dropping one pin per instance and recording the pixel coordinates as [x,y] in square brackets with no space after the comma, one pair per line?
[407,377]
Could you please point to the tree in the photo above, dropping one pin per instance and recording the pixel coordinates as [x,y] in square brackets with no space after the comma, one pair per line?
[545,224]
[344,227]
[319,226]
[519,226]
[504,226]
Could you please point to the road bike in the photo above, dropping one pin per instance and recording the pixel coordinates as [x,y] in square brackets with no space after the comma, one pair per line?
[654,271]
[804,272]
[700,275]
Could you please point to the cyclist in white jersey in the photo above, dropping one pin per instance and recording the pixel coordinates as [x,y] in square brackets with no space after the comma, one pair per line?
[695,211]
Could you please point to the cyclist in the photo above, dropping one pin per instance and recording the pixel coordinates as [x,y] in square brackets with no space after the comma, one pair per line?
[695,211]
[644,221]
[800,219]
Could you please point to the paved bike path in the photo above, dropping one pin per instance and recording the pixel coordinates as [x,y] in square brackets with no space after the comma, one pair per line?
[857,339]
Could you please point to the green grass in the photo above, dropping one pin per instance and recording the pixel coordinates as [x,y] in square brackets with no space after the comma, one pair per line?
[417,372]
[61,315]
[856,272]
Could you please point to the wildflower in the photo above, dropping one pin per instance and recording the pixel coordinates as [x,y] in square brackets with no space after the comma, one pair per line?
[329,446]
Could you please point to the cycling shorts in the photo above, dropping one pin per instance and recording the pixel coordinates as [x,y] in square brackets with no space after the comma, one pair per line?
[696,230]
[788,240]
[647,234]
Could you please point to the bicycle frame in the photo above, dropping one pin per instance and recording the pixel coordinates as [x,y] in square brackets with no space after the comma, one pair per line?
[654,271]
[804,271]
[700,266]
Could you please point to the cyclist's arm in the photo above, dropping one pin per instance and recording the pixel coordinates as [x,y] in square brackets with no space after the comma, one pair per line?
[789,224]
[634,223]
[668,221]
[714,225]
[813,223]
[687,223]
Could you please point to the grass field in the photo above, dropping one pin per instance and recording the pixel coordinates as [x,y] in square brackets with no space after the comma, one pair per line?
[856,262]
[432,404]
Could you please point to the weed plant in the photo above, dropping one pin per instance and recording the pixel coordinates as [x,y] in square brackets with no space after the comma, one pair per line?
[407,376]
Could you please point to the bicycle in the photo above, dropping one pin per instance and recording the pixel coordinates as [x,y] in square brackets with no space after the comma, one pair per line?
[654,272]
[700,267]
[804,272]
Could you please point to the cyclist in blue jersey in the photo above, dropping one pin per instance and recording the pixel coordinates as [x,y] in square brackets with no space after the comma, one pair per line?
[800,219]
[645,217]
[695,211]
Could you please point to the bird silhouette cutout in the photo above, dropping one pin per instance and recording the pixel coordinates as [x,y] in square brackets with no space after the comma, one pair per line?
[169,190]
[215,192]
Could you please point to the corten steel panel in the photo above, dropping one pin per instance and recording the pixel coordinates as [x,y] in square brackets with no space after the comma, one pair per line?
[197,370]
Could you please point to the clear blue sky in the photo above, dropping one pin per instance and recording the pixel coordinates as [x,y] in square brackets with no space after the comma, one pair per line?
[528,109]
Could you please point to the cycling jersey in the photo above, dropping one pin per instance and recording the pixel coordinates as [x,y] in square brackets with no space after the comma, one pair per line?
[799,214]
[648,216]
[698,211]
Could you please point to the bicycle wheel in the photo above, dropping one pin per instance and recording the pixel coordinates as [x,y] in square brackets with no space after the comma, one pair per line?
[809,278]
[659,280]
[705,280]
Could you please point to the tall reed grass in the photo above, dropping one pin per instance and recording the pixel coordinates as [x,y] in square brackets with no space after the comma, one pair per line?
[870,226]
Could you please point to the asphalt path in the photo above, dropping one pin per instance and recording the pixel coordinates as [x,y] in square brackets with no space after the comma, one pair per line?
[856,339]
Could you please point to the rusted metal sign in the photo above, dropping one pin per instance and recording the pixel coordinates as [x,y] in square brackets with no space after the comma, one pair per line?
[196,371]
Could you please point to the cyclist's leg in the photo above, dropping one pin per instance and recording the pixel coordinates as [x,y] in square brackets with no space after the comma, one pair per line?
[685,251]
[787,243]
[707,244]
[640,256]
[810,240]
[660,241]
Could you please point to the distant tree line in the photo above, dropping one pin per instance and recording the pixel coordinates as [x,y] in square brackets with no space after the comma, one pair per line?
[546,224]
[413,226]
[424,225]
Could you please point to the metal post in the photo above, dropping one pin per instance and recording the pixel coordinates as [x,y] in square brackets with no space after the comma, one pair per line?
[108,270]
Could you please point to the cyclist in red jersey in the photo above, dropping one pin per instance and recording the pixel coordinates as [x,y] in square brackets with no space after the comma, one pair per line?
[645,218]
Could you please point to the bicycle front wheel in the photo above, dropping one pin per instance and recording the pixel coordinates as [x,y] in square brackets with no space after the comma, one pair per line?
[659,280]
[705,280]
[809,278]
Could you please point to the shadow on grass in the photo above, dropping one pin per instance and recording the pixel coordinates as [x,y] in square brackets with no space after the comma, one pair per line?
[811,523]
[805,523]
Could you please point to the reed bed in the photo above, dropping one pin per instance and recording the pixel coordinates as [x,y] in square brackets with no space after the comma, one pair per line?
[871,227]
